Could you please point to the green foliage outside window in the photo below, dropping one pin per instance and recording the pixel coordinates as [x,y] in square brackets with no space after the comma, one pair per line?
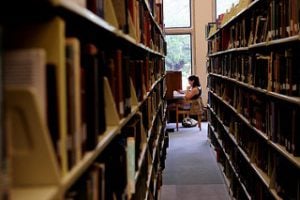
[179,55]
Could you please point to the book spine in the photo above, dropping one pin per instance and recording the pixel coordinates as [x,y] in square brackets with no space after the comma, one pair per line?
[90,64]
[119,96]
[130,153]
[126,85]
[4,154]
[101,106]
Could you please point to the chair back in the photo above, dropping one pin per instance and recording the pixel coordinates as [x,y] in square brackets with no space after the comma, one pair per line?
[196,106]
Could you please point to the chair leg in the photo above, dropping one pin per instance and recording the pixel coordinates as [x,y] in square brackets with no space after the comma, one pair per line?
[177,120]
[199,121]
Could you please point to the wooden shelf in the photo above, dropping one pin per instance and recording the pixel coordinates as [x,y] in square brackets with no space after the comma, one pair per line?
[88,159]
[275,195]
[246,121]
[153,120]
[61,19]
[294,100]
[294,38]
[291,99]
[246,85]
[281,149]
[149,177]
[231,165]
[155,83]
[34,193]
[258,45]
[140,162]
[229,51]
[152,17]
[262,175]
[227,182]
[154,153]
[69,6]
[231,137]
[252,4]
[268,97]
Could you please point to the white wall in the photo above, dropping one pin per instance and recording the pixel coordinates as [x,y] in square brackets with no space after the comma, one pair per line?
[203,13]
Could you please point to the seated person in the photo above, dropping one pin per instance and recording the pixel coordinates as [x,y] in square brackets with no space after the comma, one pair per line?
[193,93]
[194,89]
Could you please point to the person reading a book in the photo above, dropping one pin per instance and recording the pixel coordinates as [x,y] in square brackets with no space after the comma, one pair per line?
[194,89]
[192,103]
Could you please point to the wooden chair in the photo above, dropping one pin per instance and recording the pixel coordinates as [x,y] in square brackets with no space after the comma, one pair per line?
[189,107]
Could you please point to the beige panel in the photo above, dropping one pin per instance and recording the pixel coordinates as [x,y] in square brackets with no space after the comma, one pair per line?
[203,14]
[32,154]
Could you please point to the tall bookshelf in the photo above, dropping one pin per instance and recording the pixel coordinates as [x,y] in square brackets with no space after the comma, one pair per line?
[254,100]
[84,115]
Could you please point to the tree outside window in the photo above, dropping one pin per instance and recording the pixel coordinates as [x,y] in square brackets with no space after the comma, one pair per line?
[179,55]
[179,33]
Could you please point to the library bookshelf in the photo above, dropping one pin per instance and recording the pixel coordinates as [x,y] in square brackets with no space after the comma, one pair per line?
[254,100]
[83,114]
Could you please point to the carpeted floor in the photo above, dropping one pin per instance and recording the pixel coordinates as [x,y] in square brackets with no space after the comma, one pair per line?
[192,172]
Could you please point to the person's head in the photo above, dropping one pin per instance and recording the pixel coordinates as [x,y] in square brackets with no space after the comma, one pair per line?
[194,81]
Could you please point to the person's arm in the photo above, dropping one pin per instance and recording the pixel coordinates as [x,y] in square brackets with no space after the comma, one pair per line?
[189,94]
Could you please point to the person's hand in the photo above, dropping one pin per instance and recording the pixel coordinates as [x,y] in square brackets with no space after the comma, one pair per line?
[188,87]
[181,91]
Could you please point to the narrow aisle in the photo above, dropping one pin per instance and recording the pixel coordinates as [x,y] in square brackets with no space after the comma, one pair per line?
[192,172]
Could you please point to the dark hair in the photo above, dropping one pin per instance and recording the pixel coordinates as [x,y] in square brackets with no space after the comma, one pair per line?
[195,79]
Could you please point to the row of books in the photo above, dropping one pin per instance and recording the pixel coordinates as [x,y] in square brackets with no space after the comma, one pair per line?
[270,20]
[123,170]
[235,66]
[276,71]
[275,119]
[282,127]
[261,156]
[283,18]
[259,153]
[247,103]
[109,176]
[232,180]
[133,18]
[152,107]
[27,68]
[86,67]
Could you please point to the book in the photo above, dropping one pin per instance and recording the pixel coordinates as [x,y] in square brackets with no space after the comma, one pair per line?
[73,100]
[294,136]
[101,74]
[121,11]
[131,166]
[115,169]
[118,79]
[96,6]
[100,190]
[53,110]
[4,148]
[90,65]
[126,85]
[109,13]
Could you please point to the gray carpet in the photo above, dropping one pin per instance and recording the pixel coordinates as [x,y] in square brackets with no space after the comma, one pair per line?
[192,172]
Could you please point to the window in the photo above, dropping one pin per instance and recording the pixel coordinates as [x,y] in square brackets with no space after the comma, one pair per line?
[179,56]
[179,37]
[177,13]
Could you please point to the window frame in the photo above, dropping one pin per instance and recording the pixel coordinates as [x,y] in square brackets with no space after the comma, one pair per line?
[186,30]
